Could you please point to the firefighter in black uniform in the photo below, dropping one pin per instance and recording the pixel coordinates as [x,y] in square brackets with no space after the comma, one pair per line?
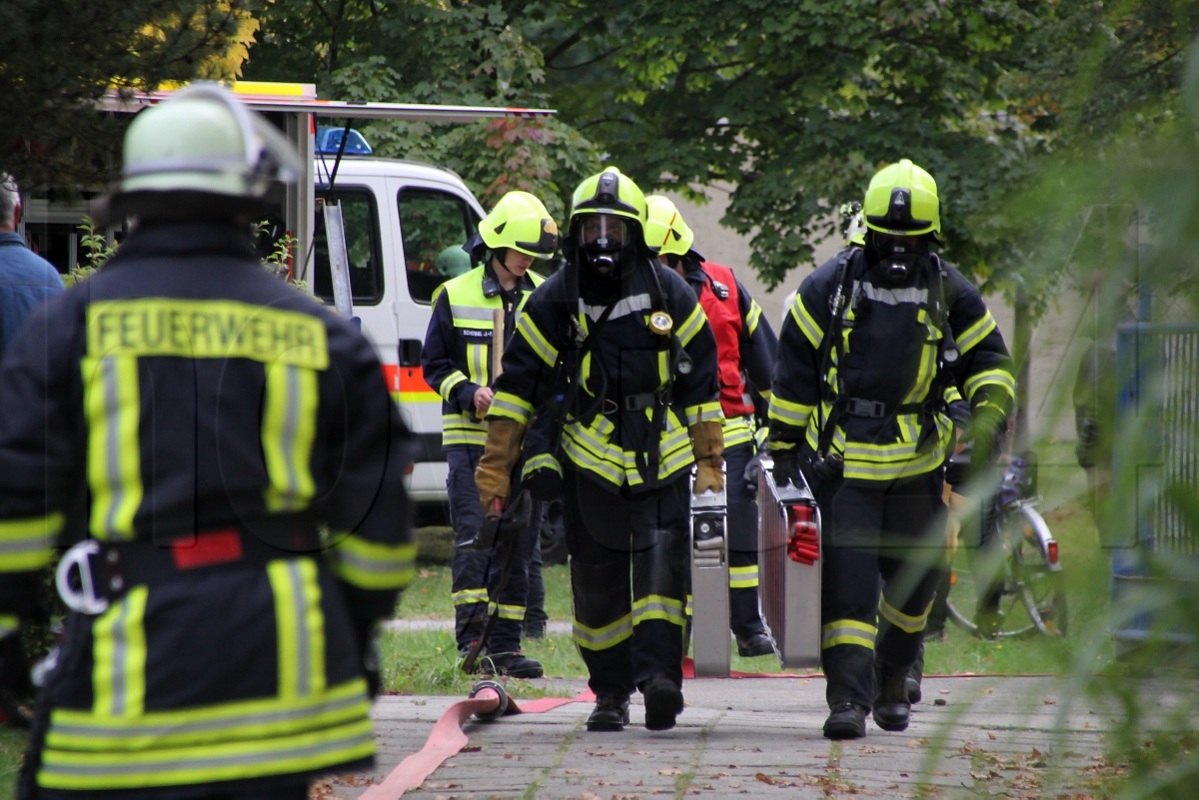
[746,347]
[867,352]
[222,456]
[616,346]
[457,360]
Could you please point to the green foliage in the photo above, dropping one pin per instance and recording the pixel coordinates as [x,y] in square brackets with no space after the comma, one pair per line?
[97,250]
[791,105]
[426,52]
[57,62]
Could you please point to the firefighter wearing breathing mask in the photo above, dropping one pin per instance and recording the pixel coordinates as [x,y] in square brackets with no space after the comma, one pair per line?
[616,348]
[868,352]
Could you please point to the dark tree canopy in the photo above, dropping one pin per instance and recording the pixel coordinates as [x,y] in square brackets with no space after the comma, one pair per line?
[1027,112]
[59,57]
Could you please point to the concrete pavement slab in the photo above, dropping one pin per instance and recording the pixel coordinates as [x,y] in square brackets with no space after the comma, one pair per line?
[988,736]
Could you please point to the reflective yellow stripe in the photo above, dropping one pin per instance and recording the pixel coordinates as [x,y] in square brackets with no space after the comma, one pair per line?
[446,389]
[112,405]
[893,461]
[970,337]
[478,362]
[789,412]
[993,377]
[527,330]
[300,625]
[656,606]
[541,461]
[510,406]
[710,412]
[373,565]
[743,577]
[303,743]
[467,597]
[605,637]
[508,611]
[119,657]
[847,631]
[752,318]
[205,329]
[461,429]
[28,544]
[288,431]
[9,623]
[736,431]
[691,326]
[905,622]
[807,323]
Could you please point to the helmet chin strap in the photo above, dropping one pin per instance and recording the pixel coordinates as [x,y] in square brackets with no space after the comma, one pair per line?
[502,261]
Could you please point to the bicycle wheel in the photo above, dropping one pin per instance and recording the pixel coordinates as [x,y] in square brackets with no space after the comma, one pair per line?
[1036,571]
[1032,598]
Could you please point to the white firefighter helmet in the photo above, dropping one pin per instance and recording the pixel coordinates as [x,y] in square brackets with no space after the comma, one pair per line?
[203,139]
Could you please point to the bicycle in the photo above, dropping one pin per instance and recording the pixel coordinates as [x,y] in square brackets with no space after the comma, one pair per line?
[1033,596]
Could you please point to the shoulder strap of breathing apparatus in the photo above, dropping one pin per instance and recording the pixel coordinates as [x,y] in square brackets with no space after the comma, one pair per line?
[938,309]
[832,338]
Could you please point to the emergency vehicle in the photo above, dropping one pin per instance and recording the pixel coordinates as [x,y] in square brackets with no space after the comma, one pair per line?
[395,217]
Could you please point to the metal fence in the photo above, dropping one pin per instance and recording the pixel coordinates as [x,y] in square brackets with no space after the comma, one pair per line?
[1155,462]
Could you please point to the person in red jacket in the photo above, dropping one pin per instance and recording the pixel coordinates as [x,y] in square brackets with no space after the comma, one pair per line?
[747,347]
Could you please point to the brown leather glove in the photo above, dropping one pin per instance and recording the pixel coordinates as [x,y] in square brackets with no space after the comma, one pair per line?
[707,443]
[493,476]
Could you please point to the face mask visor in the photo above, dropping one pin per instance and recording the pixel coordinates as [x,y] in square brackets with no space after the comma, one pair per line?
[602,238]
[899,257]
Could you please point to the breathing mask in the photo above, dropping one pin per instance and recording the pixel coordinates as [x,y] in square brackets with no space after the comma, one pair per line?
[898,257]
[605,244]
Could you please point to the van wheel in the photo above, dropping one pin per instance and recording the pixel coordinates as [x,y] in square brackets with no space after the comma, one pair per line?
[553,534]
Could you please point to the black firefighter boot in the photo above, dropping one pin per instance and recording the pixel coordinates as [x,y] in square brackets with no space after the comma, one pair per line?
[892,711]
[611,713]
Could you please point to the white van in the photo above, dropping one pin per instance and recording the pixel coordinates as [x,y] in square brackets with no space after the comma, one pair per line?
[398,216]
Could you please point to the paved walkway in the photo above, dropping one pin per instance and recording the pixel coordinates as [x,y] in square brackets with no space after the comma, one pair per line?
[1015,737]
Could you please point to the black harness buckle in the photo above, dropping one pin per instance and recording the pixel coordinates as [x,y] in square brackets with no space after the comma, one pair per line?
[873,409]
[640,402]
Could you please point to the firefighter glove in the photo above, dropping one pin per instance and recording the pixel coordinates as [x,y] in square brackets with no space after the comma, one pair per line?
[786,462]
[707,442]
[493,476]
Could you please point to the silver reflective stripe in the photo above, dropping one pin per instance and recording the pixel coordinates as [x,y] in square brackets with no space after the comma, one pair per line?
[303,637]
[623,307]
[895,297]
[118,733]
[162,768]
[474,313]
[112,445]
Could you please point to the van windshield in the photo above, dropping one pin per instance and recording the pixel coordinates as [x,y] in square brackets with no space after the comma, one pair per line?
[360,219]
[433,223]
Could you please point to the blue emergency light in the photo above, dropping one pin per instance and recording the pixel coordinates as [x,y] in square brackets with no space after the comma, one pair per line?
[328,140]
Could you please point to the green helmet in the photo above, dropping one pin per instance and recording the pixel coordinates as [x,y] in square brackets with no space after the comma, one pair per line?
[520,222]
[452,261]
[666,232]
[204,140]
[902,201]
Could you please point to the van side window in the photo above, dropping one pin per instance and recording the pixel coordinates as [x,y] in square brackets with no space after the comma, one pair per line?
[360,219]
[431,221]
